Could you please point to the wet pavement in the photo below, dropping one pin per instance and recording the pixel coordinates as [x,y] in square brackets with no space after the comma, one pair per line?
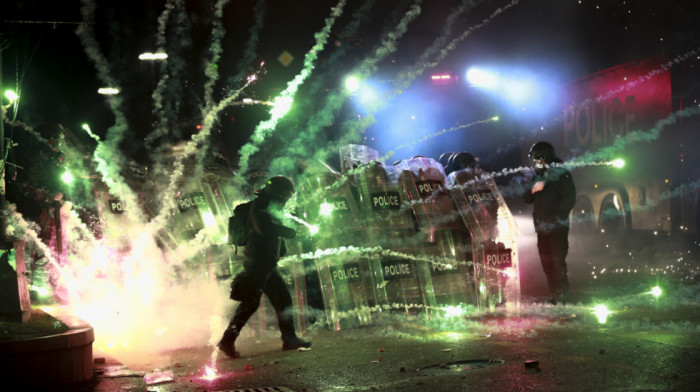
[647,343]
[643,346]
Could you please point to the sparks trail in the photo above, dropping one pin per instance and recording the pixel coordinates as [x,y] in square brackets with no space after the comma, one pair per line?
[651,204]
[407,76]
[351,252]
[159,110]
[211,70]
[425,138]
[211,117]
[602,157]
[351,128]
[107,156]
[249,53]
[205,238]
[665,67]
[24,227]
[421,66]
[87,130]
[320,119]
[196,145]
[24,127]
[350,30]
[639,136]
[283,102]
[250,102]
[530,316]
[389,45]
[90,44]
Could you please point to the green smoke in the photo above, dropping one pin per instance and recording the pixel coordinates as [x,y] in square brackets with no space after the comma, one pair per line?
[282,103]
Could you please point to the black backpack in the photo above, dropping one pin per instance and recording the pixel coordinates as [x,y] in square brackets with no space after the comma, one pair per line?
[238,224]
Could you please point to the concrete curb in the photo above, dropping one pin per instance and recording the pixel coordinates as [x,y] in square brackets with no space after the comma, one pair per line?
[53,360]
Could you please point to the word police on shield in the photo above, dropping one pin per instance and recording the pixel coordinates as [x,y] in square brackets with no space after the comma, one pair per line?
[426,189]
[499,258]
[437,268]
[396,269]
[385,200]
[349,272]
[339,204]
[191,200]
[117,206]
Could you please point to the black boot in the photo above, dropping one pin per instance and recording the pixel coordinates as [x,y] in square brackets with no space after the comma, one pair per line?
[227,344]
[294,343]
[557,297]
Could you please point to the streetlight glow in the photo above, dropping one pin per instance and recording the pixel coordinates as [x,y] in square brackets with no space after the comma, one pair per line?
[108,91]
[148,56]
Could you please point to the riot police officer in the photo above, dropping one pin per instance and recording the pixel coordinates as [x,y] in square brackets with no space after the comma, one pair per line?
[553,193]
[263,249]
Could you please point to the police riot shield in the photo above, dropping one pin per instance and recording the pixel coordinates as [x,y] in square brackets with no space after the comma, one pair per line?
[355,155]
[451,267]
[399,275]
[348,290]
[345,279]
[113,216]
[494,237]
[444,238]
[194,215]
[422,181]
[294,277]
[384,220]
[331,203]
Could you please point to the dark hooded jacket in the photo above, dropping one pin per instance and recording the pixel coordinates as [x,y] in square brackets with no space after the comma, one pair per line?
[552,204]
[265,243]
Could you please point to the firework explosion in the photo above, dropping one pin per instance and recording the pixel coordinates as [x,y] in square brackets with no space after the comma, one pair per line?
[155,276]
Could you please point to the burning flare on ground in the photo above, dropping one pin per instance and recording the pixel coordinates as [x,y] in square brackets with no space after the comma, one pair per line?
[210,373]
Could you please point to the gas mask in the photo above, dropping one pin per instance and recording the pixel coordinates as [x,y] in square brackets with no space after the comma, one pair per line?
[538,162]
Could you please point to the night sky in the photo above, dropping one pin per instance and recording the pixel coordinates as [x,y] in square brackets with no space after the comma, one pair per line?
[560,40]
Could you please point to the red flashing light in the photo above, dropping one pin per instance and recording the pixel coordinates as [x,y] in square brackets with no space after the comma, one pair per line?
[199,126]
[443,79]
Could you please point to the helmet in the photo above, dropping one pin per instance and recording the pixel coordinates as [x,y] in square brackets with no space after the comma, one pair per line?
[542,150]
[445,159]
[279,188]
[462,160]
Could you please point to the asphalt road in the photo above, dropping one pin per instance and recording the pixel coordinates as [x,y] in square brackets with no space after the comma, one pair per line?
[640,348]
[646,344]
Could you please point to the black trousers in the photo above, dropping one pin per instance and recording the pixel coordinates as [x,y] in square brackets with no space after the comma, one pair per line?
[553,247]
[276,291]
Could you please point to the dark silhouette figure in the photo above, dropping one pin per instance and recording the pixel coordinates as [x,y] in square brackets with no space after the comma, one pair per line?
[263,249]
[553,193]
